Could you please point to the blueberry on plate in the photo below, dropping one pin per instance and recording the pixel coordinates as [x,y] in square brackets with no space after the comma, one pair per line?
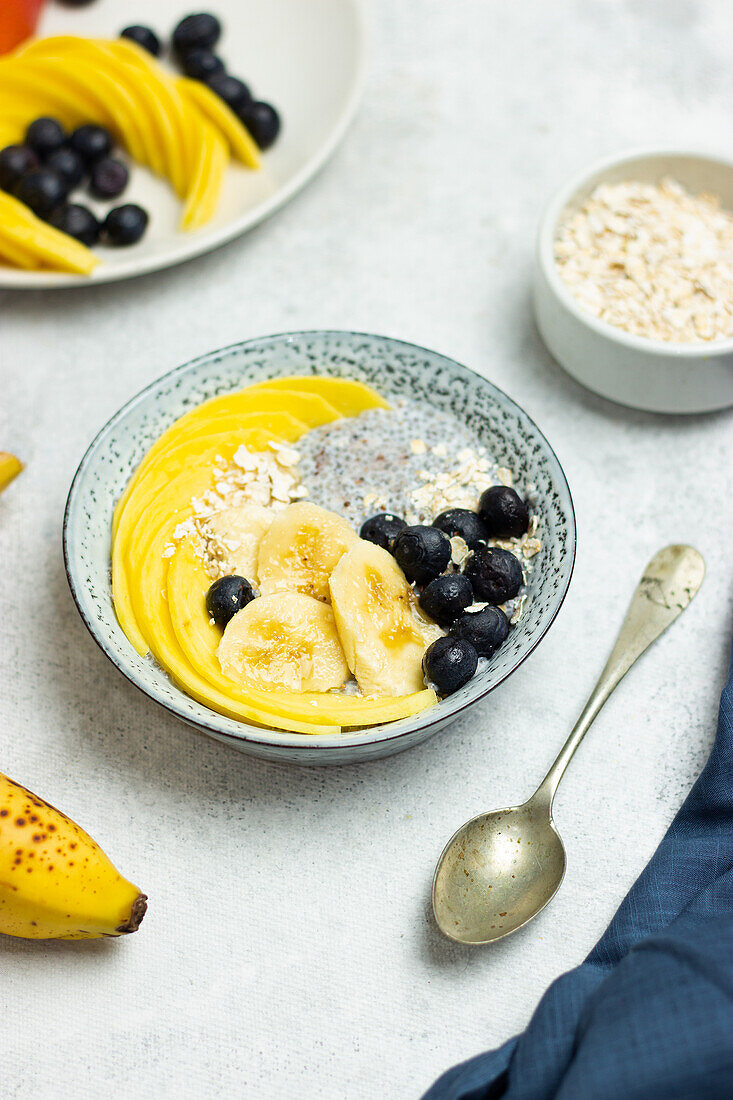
[445,598]
[262,121]
[200,64]
[382,529]
[144,37]
[78,221]
[504,512]
[496,574]
[422,553]
[200,30]
[464,523]
[45,136]
[485,629]
[124,224]
[449,663]
[91,142]
[69,166]
[227,596]
[233,91]
[108,178]
[42,190]
[15,162]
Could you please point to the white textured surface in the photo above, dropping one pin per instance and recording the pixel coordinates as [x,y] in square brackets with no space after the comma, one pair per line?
[287,950]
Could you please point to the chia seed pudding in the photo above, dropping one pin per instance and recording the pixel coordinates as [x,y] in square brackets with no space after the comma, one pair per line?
[415,462]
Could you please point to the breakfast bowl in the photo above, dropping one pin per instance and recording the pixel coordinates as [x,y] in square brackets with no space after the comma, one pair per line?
[430,387]
[635,370]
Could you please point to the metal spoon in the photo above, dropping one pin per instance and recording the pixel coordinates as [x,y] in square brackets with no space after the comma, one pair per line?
[501,868]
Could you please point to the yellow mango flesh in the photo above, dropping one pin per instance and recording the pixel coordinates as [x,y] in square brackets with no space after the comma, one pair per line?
[203,198]
[216,110]
[41,243]
[347,396]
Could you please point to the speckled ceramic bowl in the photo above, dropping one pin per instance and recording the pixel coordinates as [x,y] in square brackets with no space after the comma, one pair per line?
[395,369]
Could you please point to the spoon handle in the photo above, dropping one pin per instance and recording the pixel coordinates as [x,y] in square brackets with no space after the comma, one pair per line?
[668,584]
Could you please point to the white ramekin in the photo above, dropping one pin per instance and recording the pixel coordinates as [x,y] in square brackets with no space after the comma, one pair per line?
[646,374]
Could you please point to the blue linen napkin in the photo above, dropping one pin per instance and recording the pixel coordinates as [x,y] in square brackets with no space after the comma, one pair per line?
[649,1014]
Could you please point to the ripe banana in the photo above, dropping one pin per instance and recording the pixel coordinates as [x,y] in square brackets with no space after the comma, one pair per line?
[55,881]
[301,549]
[284,641]
[10,467]
[234,537]
[382,632]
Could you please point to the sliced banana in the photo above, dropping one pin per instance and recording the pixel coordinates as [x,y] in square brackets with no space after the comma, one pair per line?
[382,632]
[284,641]
[301,549]
[233,539]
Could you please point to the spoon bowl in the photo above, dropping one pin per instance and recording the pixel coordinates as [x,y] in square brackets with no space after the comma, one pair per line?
[496,872]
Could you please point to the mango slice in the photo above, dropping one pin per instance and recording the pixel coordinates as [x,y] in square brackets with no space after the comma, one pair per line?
[17,254]
[215,109]
[33,238]
[203,197]
[346,395]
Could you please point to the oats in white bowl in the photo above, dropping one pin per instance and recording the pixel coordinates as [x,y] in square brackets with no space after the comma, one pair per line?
[651,259]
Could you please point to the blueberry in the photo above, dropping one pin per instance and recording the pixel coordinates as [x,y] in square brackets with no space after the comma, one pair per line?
[200,64]
[449,663]
[461,521]
[495,574]
[382,529]
[45,136]
[91,142]
[196,31]
[227,596]
[78,221]
[108,178]
[262,121]
[422,553]
[234,93]
[485,629]
[144,37]
[504,512]
[124,224]
[15,162]
[446,597]
[43,190]
[69,166]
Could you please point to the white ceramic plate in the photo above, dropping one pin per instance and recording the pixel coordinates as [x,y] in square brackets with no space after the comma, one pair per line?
[305,56]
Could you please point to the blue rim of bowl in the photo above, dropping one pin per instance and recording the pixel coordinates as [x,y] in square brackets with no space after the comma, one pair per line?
[287,740]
